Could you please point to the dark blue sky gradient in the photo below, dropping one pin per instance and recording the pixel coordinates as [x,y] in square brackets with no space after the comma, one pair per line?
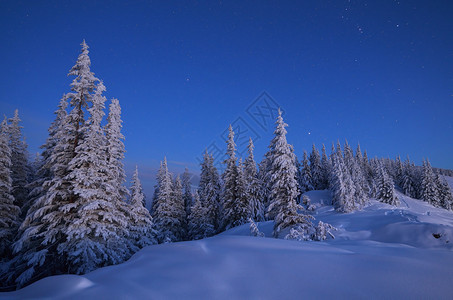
[375,72]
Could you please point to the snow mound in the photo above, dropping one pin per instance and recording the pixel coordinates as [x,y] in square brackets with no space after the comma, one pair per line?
[61,286]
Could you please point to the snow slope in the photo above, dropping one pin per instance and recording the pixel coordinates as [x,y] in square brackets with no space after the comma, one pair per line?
[379,252]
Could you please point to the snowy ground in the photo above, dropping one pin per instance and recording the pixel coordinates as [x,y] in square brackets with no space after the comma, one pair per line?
[379,252]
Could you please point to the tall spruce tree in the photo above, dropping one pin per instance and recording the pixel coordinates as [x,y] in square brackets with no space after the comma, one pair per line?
[230,198]
[97,227]
[316,169]
[179,209]
[284,187]
[73,225]
[428,188]
[80,97]
[306,178]
[19,162]
[243,204]
[264,177]
[341,184]
[38,250]
[326,166]
[357,177]
[209,191]
[43,229]
[166,214]
[115,150]
[141,226]
[9,212]
[444,192]
[199,226]
[254,189]
[187,192]
[399,172]
[38,189]
[385,186]
[408,180]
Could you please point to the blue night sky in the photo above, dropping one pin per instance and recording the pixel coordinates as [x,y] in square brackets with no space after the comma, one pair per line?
[375,72]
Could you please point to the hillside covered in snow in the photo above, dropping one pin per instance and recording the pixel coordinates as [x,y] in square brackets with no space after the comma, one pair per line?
[318,225]
[381,251]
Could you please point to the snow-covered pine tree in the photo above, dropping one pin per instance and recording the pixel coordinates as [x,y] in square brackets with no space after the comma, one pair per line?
[385,186]
[357,177]
[243,205]
[97,227]
[33,167]
[37,192]
[82,87]
[341,184]
[306,179]
[9,212]
[179,209]
[141,227]
[399,172]
[214,205]
[360,161]
[428,187]
[326,166]
[316,169]
[408,180]
[154,199]
[187,192]
[444,192]
[367,170]
[115,150]
[43,229]
[209,191]
[348,156]
[359,156]
[417,175]
[230,197]
[116,174]
[284,187]
[360,185]
[298,179]
[199,227]
[264,177]
[166,214]
[390,167]
[55,231]
[136,190]
[19,162]
[254,188]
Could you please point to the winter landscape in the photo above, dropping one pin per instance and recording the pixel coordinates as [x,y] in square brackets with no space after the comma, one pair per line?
[259,217]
